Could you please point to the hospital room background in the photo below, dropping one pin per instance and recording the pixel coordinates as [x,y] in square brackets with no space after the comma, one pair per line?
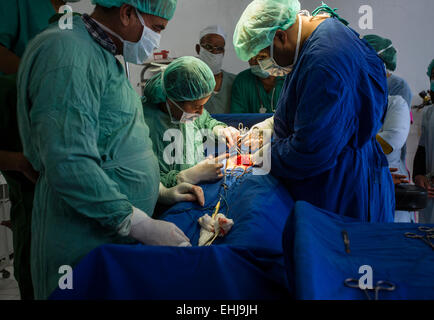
[407,23]
[392,19]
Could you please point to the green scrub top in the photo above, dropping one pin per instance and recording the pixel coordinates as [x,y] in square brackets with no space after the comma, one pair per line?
[82,128]
[21,20]
[249,95]
[221,102]
[192,140]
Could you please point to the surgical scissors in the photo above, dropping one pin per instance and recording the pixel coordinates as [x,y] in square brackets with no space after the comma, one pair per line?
[429,234]
[428,230]
[380,285]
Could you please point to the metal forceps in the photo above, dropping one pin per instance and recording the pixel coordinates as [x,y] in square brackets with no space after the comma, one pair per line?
[380,285]
[429,233]
[428,230]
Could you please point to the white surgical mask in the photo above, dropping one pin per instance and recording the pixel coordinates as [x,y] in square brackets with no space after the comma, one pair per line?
[272,67]
[381,51]
[214,61]
[185,118]
[138,52]
[257,71]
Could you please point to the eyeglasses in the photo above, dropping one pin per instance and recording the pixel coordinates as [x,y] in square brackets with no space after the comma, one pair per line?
[212,49]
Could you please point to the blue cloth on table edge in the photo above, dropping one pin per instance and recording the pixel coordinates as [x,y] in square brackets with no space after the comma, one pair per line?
[247,264]
[247,119]
[317,264]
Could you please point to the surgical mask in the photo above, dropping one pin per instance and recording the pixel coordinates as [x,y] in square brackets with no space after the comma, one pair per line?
[138,52]
[214,61]
[381,51]
[185,118]
[257,71]
[272,67]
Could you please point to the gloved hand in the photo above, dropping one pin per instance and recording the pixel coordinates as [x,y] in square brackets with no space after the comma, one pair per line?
[228,134]
[180,193]
[253,138]
[208,170]
[156,232]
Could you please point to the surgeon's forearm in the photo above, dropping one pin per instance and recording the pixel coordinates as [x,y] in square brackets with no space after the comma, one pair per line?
[10,161]
[9,61]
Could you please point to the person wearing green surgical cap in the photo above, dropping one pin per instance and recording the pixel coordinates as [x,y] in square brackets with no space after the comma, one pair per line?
[20,21]
[385,49]
[173,105]
[255,90]
[423,168]
[330,110]
[82,128]
[398,126]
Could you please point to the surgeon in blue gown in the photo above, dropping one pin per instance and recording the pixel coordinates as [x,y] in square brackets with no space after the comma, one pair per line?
[332,106]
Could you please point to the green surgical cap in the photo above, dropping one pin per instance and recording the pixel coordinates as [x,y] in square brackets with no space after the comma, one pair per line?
[430,67]
[161,8]
[185,79]
[385,49]
[259,22]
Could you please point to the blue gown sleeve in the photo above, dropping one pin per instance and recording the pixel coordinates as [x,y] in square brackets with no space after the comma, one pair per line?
[324,123]
[64,129]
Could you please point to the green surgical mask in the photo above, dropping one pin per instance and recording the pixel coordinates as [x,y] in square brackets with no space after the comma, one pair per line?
[257,71]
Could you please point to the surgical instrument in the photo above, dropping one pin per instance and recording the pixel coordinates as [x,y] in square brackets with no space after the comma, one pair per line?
[346,241]
[380,285]
[425,238]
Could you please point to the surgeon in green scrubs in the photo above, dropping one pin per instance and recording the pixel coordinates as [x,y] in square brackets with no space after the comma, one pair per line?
[20,21]
[82,127]
[173,107]
[254,90]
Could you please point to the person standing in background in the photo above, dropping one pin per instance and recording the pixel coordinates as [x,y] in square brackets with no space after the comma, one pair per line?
[397,86]
[423,171]
[20,21]
[211,50]
[255,90]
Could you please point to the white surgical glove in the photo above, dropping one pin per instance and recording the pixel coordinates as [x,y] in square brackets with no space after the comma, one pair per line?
[253,137]
[266,124]
[226,134]
[208,170]
[156,232]
[180,193]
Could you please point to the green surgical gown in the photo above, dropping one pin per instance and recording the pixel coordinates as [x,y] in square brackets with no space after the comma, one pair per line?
[221,102]
[20,22]
[192,140]
[249,95]
[82,128]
